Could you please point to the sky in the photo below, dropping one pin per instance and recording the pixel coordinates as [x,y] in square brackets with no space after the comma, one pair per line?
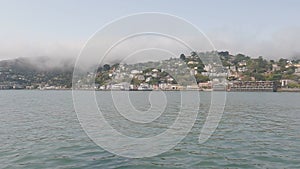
[60,28]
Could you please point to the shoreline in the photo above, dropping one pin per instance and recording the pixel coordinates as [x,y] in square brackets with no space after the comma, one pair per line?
[288,90]
[281,90]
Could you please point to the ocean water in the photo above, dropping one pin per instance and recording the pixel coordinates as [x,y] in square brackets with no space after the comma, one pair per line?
[40,129]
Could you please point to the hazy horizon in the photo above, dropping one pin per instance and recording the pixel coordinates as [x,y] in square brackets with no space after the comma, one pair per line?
[59,29]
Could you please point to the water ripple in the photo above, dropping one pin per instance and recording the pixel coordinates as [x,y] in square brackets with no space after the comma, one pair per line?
[258,130]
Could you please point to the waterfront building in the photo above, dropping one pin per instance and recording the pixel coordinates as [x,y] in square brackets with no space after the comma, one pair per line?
[252,86]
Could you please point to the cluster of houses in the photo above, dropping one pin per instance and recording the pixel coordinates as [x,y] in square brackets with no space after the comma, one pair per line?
[216,81]
[173,70]
[205,86]
[166,75]
[10,79]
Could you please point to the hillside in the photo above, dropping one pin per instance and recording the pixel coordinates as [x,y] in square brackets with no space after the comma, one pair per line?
[47,73]
[35,72]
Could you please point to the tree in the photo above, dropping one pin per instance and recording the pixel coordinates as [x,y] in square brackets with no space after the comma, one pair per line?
[282,63]
[100,69]
[239,57]
[262,65]
[290,70]
[193,54]
[102,78]
[106,67]
[182,57]
[259,77]
[225,54]
[276,77]
[116,65]
[135,81]
[293,85]
[201,78]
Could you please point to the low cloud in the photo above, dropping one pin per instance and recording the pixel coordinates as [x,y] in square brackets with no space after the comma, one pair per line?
[281,44]
[10,49]
[284,43]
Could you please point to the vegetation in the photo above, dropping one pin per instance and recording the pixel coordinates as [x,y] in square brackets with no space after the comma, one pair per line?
[260,69]
[243,67]
[239,67]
